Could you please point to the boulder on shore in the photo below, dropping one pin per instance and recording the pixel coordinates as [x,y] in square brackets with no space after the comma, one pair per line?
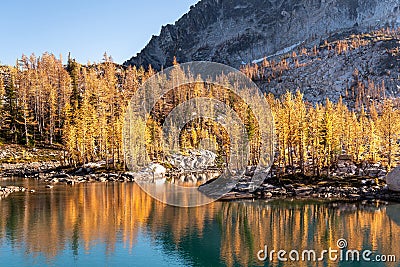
[393,179]
[193,159]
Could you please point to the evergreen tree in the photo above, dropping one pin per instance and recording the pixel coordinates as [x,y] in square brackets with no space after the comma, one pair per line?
[12,111]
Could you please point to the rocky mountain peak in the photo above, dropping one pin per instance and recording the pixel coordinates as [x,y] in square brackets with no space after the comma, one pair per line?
[236,31]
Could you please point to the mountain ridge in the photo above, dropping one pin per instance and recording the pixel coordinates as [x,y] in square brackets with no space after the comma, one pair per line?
[234,32]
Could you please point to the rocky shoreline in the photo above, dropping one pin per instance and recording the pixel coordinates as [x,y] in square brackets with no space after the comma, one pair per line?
[7,190]
[346,181]
[290,186]
[302,187]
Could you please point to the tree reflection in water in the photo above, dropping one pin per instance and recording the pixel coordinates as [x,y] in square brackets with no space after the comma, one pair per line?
[221,233]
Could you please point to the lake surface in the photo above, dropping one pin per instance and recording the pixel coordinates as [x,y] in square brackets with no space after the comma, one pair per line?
[117,224]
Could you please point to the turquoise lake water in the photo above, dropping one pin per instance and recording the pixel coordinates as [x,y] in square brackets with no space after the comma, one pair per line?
[117,224]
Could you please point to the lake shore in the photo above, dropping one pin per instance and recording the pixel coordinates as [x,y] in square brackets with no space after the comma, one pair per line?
[50,170]
[289,186]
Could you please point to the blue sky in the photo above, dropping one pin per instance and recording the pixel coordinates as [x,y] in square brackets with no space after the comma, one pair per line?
[86,28]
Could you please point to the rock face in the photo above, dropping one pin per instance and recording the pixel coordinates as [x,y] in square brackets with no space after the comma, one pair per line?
[194,160]
[329,74]
[157,169]
[393,179]
[154,173]
[236,31]
[191,167]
